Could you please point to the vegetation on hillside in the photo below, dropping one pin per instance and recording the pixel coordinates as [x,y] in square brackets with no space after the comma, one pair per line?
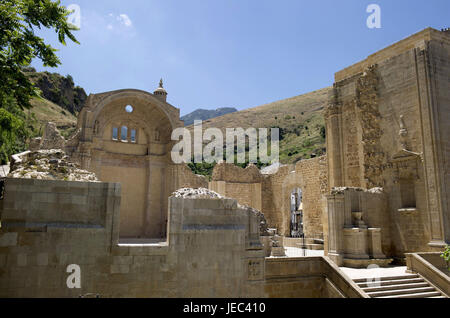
[299,119]
[44,111]
[58,89]
[19,45]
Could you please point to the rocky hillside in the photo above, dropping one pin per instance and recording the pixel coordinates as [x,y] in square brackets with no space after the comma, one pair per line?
[300,120]
[44,111]
[204,114]
[58,89]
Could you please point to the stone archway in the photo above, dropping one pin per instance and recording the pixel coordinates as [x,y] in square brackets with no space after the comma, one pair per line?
[126,139]
[291,181]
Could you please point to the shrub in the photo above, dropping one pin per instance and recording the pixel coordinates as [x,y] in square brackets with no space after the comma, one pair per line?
[446,255]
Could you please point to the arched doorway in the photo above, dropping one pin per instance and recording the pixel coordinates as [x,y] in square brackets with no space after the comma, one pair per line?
[297,213]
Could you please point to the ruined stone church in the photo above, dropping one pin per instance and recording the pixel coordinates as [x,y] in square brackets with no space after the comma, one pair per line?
[152,228]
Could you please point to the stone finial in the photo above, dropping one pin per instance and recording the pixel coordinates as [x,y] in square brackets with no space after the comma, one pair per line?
[160,92]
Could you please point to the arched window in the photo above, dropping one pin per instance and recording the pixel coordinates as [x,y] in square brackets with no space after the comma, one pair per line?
[133,135]
[115,133]
[124,133]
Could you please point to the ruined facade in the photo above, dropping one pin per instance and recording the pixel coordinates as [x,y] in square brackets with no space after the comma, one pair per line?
[380,193]
[388,127]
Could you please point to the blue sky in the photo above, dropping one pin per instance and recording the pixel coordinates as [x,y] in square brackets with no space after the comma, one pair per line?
[230,53]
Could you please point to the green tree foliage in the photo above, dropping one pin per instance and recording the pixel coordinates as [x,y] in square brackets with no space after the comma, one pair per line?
[446,255]
[203,168]
[19,45]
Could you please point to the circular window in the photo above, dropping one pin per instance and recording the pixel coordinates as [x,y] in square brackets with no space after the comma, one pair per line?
[129,109]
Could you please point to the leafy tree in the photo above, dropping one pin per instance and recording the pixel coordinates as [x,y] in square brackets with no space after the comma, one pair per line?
[19,45]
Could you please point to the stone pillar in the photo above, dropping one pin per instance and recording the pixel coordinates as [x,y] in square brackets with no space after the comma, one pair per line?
[374,238]
[439,219]
[355,240]
[335,210]
[333,129]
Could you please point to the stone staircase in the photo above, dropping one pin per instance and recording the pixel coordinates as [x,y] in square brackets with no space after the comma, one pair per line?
[405,286]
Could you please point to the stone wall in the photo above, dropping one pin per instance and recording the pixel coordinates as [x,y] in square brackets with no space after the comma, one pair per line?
[308,175]
[41,203]
[48,225]
[271,192]
[386,123]
[307,277]
[185,178]
[358,227]
[212,250]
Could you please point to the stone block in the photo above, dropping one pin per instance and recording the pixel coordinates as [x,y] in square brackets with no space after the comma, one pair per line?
[122,260]
[119,269]
[22,260]
[42,259]
[8,239]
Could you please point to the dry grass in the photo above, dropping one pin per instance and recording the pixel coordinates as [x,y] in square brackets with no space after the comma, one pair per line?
[45,111]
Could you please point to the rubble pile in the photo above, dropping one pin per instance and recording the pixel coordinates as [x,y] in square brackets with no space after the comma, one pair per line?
[48,165]
[198,193]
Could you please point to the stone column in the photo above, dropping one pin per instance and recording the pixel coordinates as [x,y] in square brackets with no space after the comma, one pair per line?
[335,210]
[426,93]
[333,129]
[375,243]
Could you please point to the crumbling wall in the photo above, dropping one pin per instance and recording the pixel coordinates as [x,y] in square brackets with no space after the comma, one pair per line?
[385,125]
[308,175]
[185,178]
[270,192]
[51,139]
[244,185]
[212,250]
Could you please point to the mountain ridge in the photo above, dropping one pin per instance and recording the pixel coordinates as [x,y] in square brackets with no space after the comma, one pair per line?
[205,114]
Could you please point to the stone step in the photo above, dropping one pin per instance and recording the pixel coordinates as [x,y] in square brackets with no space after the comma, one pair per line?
[318,241]
[401,292]
[385,278]
[395,287]
[390,282]
[310,240]
[310,246]
[306,240]
[434,294]
[316,247]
